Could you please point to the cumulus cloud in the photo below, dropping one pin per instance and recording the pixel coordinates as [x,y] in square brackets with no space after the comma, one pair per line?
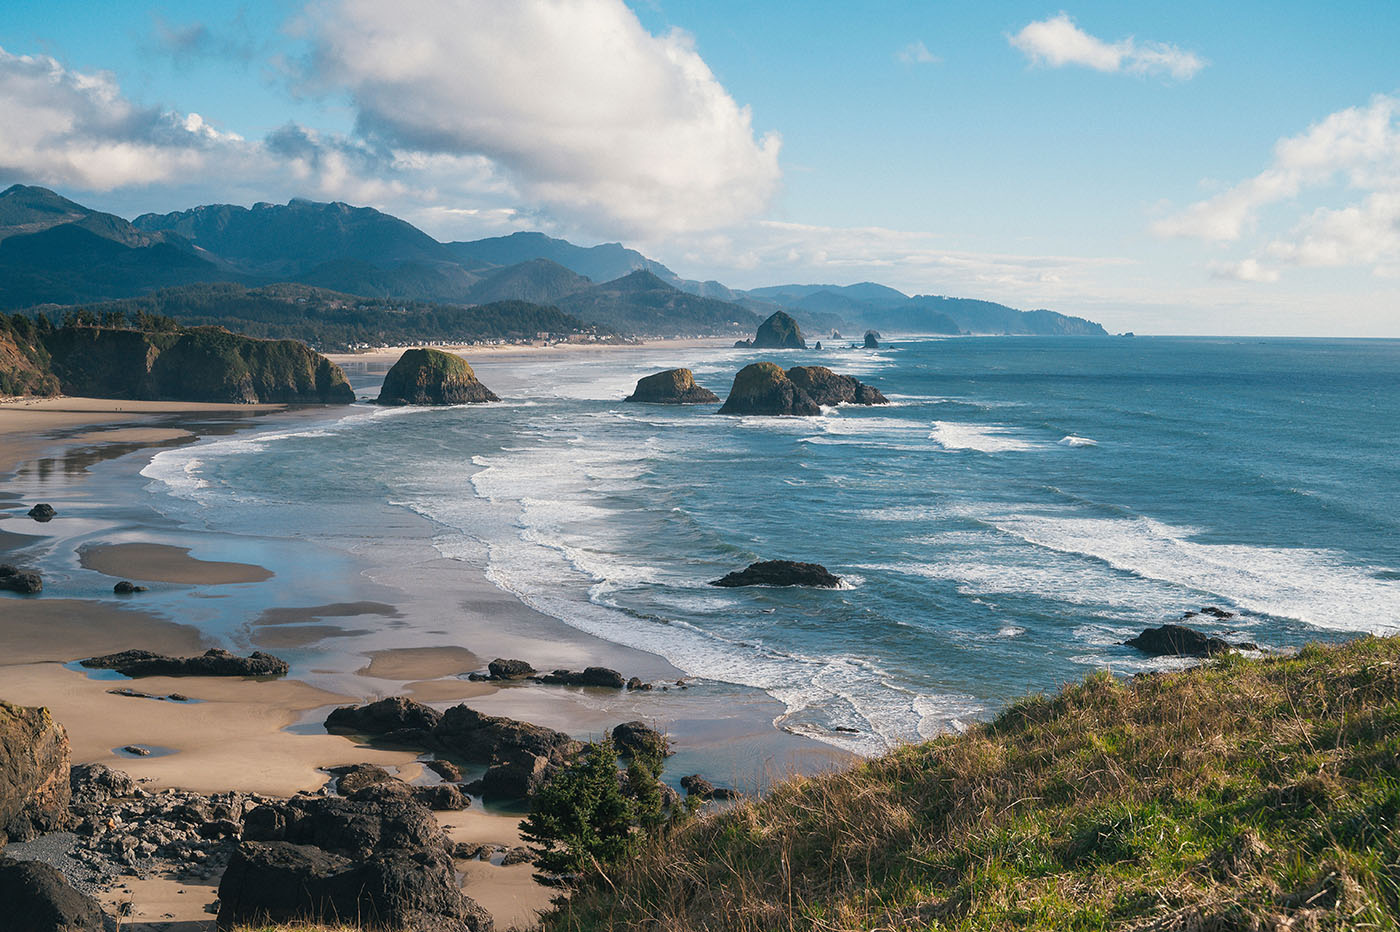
[584,110]
[1356,149]
[1246,270]
[916,53]
[1058,41]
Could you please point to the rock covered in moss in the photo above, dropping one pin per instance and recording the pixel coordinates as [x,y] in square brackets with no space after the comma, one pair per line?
[672,387]
[779,331]
[431,377]
[764,388]
[830,388]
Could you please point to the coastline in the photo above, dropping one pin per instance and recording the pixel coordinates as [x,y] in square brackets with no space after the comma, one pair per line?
[376,635]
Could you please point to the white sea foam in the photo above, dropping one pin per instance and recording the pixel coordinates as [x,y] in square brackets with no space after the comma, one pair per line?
[1073,441]
[984,438]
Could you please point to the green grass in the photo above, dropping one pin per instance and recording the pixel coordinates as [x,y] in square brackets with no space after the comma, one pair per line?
[1240,795]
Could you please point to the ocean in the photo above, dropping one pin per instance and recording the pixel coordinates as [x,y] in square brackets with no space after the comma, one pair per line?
[1022,507]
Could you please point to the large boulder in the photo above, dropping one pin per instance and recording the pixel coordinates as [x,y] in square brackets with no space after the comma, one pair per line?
[780,573]
[672,387]
[34,773]
[37,898]
[503,669]
[1178,641]
[829,388]
[42,512]
[352,828]
[97,783]
[432,377]
[603,677]
[213,662]
[472,736]
[395,720]
[633,738]
[779,331]
[515,774]
[355,777]
[396,889]
[13,579]
[764,388]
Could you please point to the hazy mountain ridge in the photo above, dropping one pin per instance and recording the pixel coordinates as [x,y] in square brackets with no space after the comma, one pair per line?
[55,251]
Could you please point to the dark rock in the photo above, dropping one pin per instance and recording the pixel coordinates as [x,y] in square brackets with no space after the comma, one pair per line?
[742,344]
[818,346]
[781,573]
[445,769]
[395,720]
[779,331]
[1178,641]
[764,388]
[1216,612]
[136,663]
[137,750]
[517,855]
[281,881]
[42,512]
[467,851]
[34,773]
[432,377]
[829,388]
[636,683]
[589,676]
[509,669]
[472,736]
[355,777]
[442,797]
[515,775]
[724,792]
[126,587]
[13,580]
[632,738]
[97,783]
[352,828]
[382,792]
[672,387]
[696,785]
[872,339]
[37,898]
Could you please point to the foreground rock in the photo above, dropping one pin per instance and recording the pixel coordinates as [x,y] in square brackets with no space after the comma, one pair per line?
[779,331]
[213,662]
[501,669]
[780,573]
[35,897]
[828,388]
[34,768]
[672,387]
[432,377]
[378,864]
[633,738]
[602,677]
[872,339]
[764,388]
[14,580]
[42,512]
[1180,641]
[394,721]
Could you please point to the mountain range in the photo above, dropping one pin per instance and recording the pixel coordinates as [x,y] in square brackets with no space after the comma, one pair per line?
[55,251]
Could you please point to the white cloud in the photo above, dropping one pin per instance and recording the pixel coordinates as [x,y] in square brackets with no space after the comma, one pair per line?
[1246,270]
[1057,41]
[1355,149]
[582,108]
[916,53]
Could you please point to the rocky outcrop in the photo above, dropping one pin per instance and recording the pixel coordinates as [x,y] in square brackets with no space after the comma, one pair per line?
[381,863]
[779,331]
[199,364]
[602,677]
[633,738]
[764,388]
[37,898]
[501,669]
[34,773]
[697,786]
[829,388]
[42,512]
[672,387]
[215,662]
[475,737]
[12,579]
[872,339]
[395,721]
[355,777]
[1180,641]
[127,587]
[780,573]
[432,377]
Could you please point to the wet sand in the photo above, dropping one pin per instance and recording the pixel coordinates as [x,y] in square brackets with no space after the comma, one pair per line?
[164,563]
[510,351]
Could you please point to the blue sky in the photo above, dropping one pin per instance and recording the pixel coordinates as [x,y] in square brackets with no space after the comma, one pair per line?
[1127,162]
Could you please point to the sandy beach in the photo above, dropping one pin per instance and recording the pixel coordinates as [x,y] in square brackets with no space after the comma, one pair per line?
[505,352]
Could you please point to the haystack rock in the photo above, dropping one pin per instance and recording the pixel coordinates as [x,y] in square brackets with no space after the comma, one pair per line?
[779,331]
[672,387]
[872,339]
[432,377]
[764,388]
[829,388]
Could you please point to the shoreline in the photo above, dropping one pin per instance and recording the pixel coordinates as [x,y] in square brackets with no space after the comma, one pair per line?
[510,351]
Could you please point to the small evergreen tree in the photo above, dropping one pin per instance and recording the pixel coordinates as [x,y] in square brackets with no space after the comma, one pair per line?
[580,816]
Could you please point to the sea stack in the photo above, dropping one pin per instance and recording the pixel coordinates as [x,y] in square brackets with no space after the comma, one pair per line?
[779,332]
[432,377]
[872,339]
[672,387]
[764,388]
[830,388]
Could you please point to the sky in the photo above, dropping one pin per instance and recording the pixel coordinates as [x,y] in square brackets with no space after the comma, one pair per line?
[1182,167]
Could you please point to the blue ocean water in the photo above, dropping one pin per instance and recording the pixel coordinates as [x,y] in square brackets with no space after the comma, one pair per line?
[1023,506]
